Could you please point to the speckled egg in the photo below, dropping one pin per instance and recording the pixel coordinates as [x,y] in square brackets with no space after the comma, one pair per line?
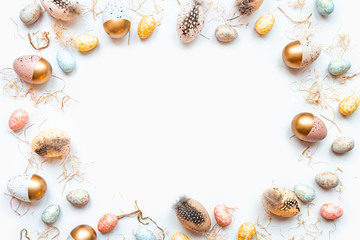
[246,231]
[331,211]
[33,69]
[348,105]
[51,143]
[179,236]
[146,26]
[264,24]
[18,119]
[308,127]
[144,234]
[50,214]
[65,60]
[30,13]
[116,19]
[301,53]
[190,20]
[65,10]
[339,67]
[281,202]
[86,42]
[222,215]
[327,179]
[78,197]
[107,222]
[27,187]
[225,33]
[343,144]
[304,192]
[325,7]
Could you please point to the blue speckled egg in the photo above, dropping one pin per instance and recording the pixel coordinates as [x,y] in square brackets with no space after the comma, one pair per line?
[339,67]
[30,13]
[144,234]
[65,60]
[325,7]
[304,192]
[50,214]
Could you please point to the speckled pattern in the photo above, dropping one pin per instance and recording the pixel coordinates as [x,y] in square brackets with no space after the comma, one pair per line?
[265,23]
[247,7]
[18,187]
[327,179]
[107,222]
[115,9]
[343,144]
[331,211]
[65,10]
[30,13]
[146,26]
[179,236]
[18,119]
[24,66]
[51,143]
[78,197]
[246,231]
[348,105]
[190,21]
[144,234]
[325,7]
[339,67]
[281,202]
[50,214]
[318,131]
[310,52]
[86,42]
[65,60]
[224,33]
[222,215]
[304,192]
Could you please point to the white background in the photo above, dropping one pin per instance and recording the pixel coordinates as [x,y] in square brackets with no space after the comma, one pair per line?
[159,119]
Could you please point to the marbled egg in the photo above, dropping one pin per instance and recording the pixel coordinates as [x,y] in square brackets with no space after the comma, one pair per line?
[225,33]
[144,234]
[339,67]
[246,231]
[78,197]
[50,214]
[327,179]
[116,19]
[331,211]
[343,144]
[30,13]
[33,69]
[308,127]
[107,222]
[325,7]
[348,105]
[18,119]
[222,215]
[86,42]
[264,24]
[301,53]
[82,232]
[179,236]
[65,10]
[304,192]
[247,7]
[27,187]
[65,60]
[51,143]
[281,202]
[146,26]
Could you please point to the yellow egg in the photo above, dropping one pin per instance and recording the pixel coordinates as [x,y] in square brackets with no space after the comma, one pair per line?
[349,105]
[146,26]
[86,42]
[179,236]
[264,24]
[246,231]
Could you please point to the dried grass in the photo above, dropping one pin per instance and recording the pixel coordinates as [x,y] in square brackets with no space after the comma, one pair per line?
[49,233]
[93,10]
[61,35]
[214,233]
[42,41]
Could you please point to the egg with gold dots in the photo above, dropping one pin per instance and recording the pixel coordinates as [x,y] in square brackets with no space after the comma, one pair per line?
[116,19]
[308,127]
[33,69]
[301,53]
[82,232]
[27,188]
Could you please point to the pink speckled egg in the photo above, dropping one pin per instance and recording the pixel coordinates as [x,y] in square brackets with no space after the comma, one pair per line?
[222,215]
[33,69]
[18,119]
[308,127]
[331,211]
[62,9]
[107,222]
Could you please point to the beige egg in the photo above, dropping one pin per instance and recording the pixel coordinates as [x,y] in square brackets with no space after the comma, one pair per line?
[51,143]
[86,42]
[264,24]
[247,7]
[281,202]
[301,53]
[62,9]
[225,33]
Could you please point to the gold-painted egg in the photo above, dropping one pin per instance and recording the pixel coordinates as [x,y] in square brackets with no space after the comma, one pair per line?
[33,69]
[27,187]
[146,26]
[348,105]
[281,202]
[246,231]
[82,232]
[308,127]
[264,24]
[299,54]
[179,236]
[86,42]
[116,19]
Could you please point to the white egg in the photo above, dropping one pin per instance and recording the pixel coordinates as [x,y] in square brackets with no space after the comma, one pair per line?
[65,10]
[116,19]
[18,187]
[30,13]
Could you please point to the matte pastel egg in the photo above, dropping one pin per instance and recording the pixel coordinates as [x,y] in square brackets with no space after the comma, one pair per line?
[78,197]
[179,236]
[32,69]
[308,127]
[18,119]
[65,60]
[331,211]
[327,179]
[82,232]
[304,192]
[339,67]
[30,13]
[86,42]
[325,7]
[50,214]
[27,187]
[146,26]
[348,105]
[116,19]
[301,53]
[343,144]
[144,234]
[264,24]
[225,33]
[222,215]
[107,222]
[246,231]
[62,9]
[281,202]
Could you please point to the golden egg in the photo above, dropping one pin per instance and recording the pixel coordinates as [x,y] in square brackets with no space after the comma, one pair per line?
[42,72]
[82,232]
[117,28]
[292,54]
[179,236]
[302,124]
[37,187]
[246,231]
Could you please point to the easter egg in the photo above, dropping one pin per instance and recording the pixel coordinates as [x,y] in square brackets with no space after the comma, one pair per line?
[300,53]
[308,127]
[62,9]
[32,69]
[146,26]
[339,67]
[264,24]
[107,222]
[190,20]
[247,7]
[246,231]
[51,143]
[116,19]
[144,234]
[179,236]
[30,13]
[331,211]
[65,60]
[78,197]
[342,145]
[86,42]
[225,33]
[281,202]
[50,214]
[18,119]
[327,179]
[348,105]
[27,187]
[82,232]
[304,192]
[192,215]
[325,7]
[222,215]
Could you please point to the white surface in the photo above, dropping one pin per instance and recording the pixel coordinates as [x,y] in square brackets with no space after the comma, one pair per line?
[159,119]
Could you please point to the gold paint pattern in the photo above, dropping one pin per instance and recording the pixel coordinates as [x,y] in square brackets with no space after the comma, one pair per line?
[37,187]
[302,124]
[293,55]
[83,232]
[117,28]
[42,72]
